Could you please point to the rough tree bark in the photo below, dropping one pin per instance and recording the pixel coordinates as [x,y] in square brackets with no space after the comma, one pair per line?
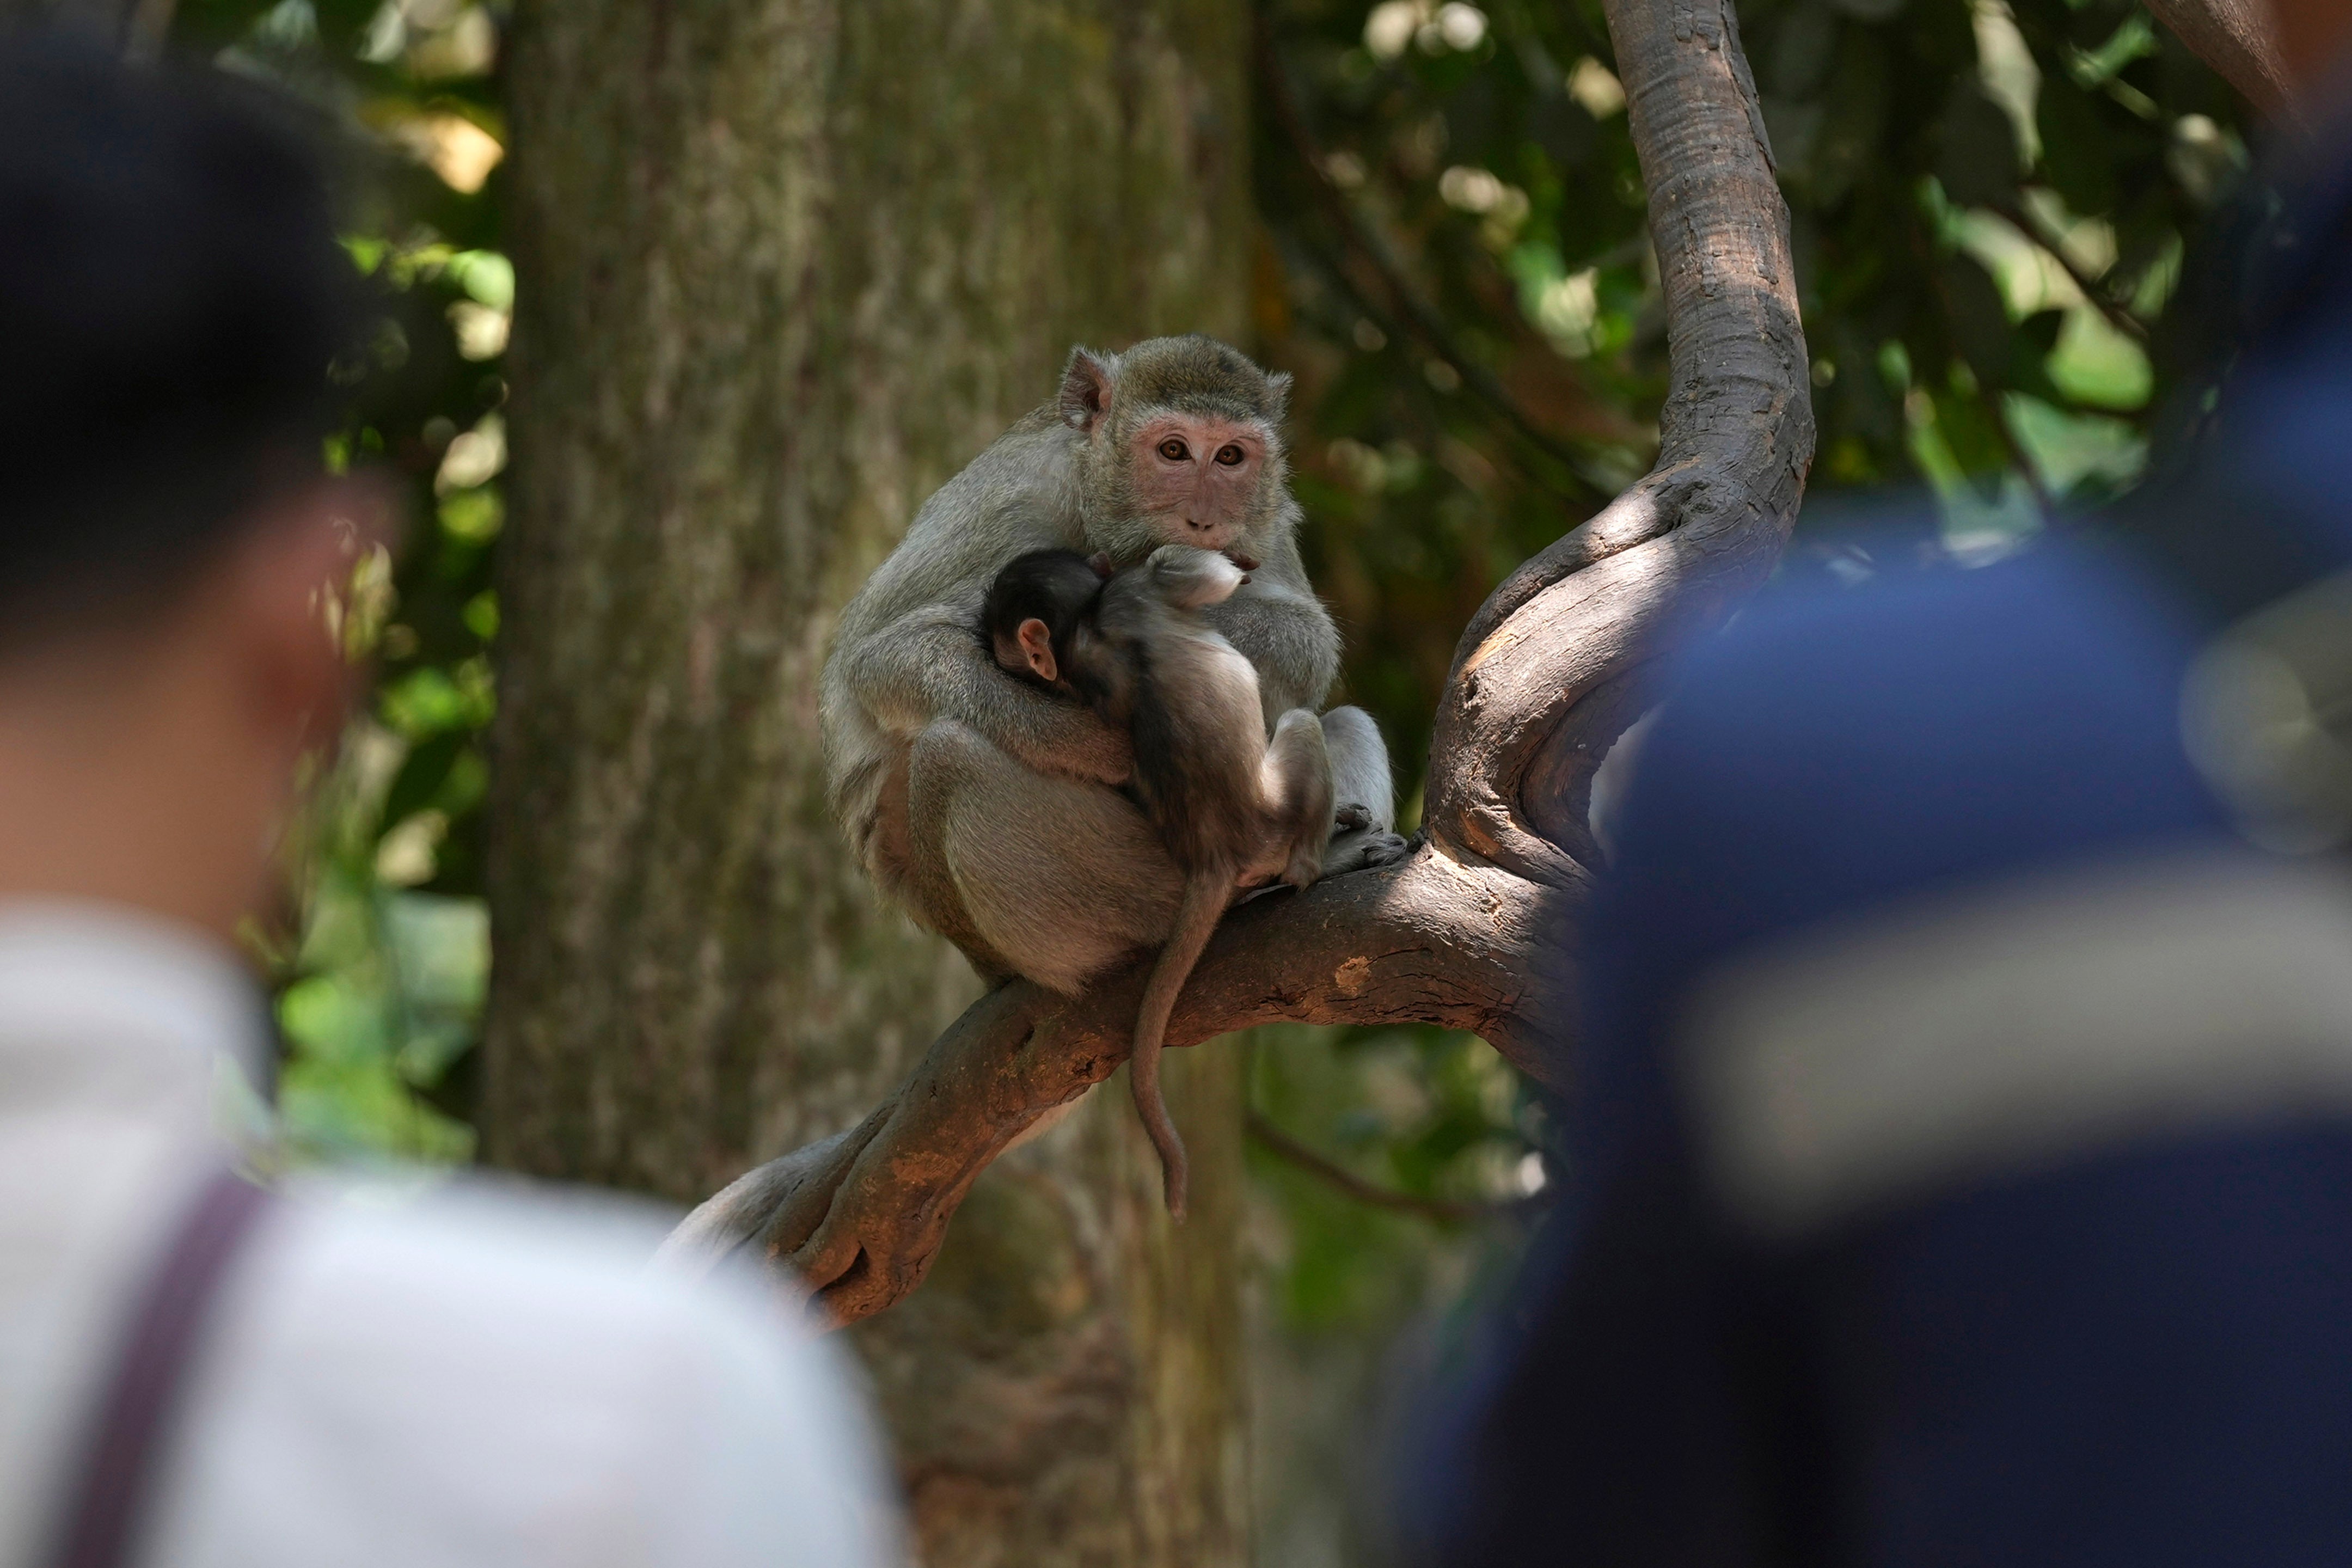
[1472,930]
[2237,39]
[784,265]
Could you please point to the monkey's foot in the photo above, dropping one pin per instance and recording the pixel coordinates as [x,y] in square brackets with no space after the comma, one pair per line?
[1348,818]
[1362,849]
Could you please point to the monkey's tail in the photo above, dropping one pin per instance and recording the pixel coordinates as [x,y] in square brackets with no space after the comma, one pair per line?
[1205,897]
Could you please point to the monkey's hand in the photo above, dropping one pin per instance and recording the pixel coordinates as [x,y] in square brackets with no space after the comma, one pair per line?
[1277,623]
[1194,579]
[932,665]
[1361,849]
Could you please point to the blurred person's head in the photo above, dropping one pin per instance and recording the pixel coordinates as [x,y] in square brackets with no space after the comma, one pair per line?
[170,298]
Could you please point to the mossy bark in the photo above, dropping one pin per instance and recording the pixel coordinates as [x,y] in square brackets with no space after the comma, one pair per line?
[784,266]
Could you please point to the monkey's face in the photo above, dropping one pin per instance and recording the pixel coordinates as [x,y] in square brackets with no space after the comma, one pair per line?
[1193,478]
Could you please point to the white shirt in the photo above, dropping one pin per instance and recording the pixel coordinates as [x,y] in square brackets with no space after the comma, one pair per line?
[467,1377]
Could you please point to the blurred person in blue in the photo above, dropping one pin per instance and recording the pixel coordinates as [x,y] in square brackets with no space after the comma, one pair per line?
[192,1374]
[1958,1167]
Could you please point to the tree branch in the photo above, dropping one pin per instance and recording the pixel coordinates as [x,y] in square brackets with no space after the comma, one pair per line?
[2093,289]
[1474,929]
[2236,38]
[1736,438]
[1283,1146]
[859,1217]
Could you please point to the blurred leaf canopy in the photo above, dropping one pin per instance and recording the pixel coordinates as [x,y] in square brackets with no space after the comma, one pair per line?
[1989,207]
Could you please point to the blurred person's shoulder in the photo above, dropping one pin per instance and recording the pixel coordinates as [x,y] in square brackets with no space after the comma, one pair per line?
[1840,752]
[1889,617]
[478,1373]
[1917,883]
[1924,725]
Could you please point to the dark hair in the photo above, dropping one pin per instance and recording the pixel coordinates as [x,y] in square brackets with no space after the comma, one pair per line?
[1055,586]
[170,299]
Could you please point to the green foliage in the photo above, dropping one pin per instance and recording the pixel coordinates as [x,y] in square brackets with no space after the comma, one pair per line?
[1988,207]
[381,987]
[1421,1112]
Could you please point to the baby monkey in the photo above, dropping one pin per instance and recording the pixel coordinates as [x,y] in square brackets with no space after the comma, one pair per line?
[1234,810]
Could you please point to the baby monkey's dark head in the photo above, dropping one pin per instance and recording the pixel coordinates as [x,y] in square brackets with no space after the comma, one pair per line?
[1034,609]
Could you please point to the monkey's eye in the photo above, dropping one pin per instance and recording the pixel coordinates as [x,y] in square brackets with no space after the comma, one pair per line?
[1174,451]
[1229,456]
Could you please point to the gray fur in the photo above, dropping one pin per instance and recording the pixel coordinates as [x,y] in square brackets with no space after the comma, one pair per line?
[989,809]
[1232,810]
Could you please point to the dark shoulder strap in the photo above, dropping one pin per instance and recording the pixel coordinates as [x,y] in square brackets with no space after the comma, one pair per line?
[99,1523]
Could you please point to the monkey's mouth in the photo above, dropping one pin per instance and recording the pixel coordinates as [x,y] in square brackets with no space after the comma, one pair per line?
[1176,529]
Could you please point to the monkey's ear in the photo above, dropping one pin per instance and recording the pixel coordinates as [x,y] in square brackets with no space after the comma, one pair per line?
[1086,385]
[1278,397]
[1100,562]
[1037,647]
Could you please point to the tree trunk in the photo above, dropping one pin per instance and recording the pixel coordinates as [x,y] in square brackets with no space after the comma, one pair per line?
[784,265]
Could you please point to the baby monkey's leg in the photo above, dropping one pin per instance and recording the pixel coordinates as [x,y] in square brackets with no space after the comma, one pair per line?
[1360,770]
[1366,794]
[1295,781]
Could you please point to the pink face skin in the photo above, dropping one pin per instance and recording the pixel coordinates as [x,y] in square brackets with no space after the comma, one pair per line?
[1194,476]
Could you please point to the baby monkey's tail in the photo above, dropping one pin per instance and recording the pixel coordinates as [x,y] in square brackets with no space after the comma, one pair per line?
[1206,894]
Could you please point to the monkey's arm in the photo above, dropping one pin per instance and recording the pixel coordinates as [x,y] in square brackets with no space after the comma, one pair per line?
[1281,627]
[928,664]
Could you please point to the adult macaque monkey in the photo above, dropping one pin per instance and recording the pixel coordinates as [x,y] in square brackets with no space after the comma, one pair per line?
[1233,810]
[990,809]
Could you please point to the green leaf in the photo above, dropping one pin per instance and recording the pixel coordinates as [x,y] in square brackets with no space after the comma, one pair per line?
[421,775]
[2032,341]
[1968,426]
[2077,153]
[474,516]
[486,275]
[1976,152]
[1979,320]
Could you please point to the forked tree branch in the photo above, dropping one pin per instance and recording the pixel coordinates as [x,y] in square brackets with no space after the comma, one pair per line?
[1474,929]
[1537,693]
